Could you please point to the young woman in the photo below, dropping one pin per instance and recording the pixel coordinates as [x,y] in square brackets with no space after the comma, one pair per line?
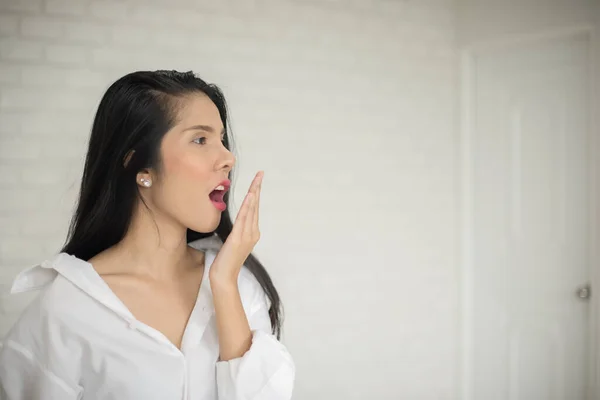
[156,294]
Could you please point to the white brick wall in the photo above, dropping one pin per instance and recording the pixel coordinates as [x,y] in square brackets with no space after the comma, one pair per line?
[349,108]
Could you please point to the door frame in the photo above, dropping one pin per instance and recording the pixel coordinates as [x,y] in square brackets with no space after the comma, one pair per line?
[467,55]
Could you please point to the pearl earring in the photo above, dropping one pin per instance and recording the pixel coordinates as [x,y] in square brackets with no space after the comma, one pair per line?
[146,182]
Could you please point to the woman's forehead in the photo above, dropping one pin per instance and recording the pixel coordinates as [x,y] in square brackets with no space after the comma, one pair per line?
[200,110]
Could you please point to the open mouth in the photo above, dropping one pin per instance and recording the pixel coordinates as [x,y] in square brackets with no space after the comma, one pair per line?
[217,196]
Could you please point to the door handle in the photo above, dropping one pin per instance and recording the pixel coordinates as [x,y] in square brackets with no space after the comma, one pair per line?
[584,292]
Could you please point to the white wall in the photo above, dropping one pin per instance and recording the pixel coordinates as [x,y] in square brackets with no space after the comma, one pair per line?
[480,21]
[348,107]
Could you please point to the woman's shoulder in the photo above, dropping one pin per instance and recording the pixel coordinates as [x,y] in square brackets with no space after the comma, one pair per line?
[27,329]
[40,344]
[52,301]
[38,324]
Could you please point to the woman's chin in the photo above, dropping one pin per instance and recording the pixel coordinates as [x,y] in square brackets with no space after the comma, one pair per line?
[206,226]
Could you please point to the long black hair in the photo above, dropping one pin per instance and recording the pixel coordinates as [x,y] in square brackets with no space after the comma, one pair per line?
[134,114]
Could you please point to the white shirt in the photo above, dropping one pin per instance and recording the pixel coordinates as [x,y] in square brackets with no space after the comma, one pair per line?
[77,340]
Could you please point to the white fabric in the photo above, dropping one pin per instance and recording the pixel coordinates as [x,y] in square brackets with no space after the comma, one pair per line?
[78,341]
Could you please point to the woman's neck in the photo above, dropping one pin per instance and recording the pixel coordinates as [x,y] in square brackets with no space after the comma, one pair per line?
[155,246]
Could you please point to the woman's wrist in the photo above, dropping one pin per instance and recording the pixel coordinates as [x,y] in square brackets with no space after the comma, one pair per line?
[222,282]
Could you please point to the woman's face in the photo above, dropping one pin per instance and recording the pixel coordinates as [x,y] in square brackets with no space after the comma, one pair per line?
[195,162]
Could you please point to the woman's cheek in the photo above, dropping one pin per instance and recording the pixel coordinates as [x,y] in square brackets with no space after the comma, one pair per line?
[198,170]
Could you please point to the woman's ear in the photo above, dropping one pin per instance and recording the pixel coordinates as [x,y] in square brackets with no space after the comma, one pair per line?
[127,158]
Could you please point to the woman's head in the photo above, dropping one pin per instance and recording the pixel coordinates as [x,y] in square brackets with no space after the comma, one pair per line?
[159,140]
[191,160]
[166,129]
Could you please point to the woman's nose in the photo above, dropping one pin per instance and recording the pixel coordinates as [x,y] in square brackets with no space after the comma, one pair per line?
[227,161]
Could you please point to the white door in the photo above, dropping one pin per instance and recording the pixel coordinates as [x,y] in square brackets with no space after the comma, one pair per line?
[527,167]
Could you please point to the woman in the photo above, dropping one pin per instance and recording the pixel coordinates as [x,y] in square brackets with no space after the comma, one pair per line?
[156,294]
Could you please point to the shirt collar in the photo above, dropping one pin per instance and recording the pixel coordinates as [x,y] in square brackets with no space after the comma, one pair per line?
[40,275]
[213,243]
[82,274]
[79,272]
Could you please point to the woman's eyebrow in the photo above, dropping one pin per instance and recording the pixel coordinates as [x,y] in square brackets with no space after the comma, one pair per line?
[205,128]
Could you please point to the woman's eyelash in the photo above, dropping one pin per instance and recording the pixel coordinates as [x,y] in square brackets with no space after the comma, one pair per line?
[202,140]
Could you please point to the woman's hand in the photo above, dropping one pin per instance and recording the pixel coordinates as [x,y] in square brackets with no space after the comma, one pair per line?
[242,239]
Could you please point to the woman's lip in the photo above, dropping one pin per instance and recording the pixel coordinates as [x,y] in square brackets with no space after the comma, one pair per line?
[221,206]
[226,184]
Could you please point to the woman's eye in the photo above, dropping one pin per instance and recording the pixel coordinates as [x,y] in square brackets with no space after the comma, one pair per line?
[200,140]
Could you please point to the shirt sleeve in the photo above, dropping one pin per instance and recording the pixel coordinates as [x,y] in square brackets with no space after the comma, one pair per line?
[265,372]
[23,377]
